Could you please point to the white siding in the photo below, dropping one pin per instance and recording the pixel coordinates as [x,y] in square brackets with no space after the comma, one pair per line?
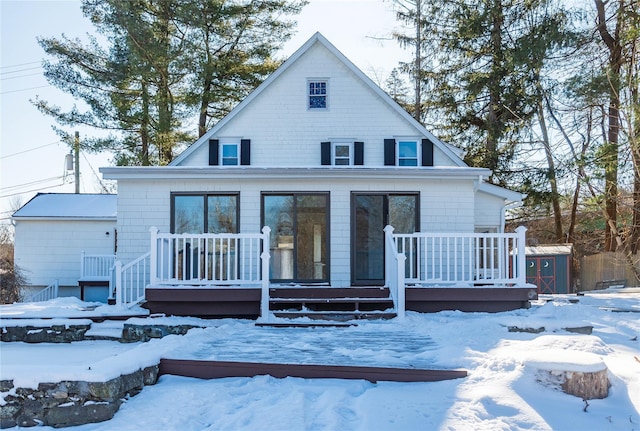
[283,132]
[145,203]
[47,250]
[488,211]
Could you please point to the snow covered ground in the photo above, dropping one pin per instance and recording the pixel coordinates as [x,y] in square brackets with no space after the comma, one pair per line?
[503,390]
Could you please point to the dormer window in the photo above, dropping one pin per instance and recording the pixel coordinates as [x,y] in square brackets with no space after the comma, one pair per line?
[317,94]
[342,154]
[229,154]
[407,153]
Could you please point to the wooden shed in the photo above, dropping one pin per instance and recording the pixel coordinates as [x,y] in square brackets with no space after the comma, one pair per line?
[549,267]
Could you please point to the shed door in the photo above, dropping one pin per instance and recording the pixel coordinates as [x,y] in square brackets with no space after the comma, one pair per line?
[541,271]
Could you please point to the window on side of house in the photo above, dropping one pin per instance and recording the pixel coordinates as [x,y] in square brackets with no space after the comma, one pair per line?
[408,153]
[204,213]
[317,92]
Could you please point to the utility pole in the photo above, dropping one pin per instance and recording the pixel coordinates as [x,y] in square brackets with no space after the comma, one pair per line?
[76,168]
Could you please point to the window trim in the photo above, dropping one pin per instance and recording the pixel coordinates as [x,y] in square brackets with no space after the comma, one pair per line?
[308,94]
[204,196]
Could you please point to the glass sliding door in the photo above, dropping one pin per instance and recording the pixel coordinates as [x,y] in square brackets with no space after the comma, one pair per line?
[299,236]
[371,212]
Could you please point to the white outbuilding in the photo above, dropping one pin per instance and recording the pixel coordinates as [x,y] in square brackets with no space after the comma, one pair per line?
[52,231]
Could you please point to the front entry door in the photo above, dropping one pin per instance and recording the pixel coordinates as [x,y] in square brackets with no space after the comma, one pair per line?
[370,213]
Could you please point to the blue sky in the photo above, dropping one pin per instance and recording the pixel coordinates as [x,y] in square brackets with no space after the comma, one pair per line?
[32,156]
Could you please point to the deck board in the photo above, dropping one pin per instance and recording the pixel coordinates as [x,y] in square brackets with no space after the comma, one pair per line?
[222,369]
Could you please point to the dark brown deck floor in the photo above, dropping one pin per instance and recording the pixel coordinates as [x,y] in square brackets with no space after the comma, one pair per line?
[222,369]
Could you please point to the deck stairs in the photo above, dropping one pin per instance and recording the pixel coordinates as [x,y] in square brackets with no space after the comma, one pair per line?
[330,303]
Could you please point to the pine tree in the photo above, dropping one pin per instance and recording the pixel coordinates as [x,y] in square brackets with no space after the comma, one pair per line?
[163,61]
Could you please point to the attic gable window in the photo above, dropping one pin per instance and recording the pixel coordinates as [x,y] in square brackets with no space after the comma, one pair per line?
[317,94]
[407,153]
[342,154]
[230,154]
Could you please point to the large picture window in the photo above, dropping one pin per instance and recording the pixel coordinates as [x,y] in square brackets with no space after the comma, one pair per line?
[299,235]
[204,213]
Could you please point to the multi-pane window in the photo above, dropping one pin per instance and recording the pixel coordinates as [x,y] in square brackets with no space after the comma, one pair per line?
[407,153]
[229,154]
[342,154]
[204,213]
[317,95]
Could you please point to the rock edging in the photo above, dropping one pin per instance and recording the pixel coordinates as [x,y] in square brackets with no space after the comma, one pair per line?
[69,403]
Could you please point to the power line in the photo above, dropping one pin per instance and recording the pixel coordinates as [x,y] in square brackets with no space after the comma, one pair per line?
[32,183]
[26,151]
[20,70]
[34,190]
[104,188]
[21,76]
[20,64]
[24,89]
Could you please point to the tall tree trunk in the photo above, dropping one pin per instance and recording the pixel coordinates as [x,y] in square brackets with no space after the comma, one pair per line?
[165,143]
[144,125]
[555,196]
[495,100]
[417,110]
[611,148]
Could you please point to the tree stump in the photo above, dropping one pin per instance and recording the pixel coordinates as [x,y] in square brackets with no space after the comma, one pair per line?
[582,374]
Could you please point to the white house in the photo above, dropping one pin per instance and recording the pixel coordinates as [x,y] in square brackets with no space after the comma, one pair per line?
[52,231]
[324,159]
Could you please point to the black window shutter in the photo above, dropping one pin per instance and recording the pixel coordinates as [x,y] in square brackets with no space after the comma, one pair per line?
[245,151]
[214,151]
[389,152]
[325,153]
[358,153]
[427,152]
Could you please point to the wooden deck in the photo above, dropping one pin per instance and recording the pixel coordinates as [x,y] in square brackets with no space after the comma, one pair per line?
[217,302]
[325,302]
[222,369]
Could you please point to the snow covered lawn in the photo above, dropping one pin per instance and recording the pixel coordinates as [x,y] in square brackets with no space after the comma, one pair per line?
[504,390]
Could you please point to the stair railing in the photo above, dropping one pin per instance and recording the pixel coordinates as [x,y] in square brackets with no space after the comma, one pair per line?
[46,294]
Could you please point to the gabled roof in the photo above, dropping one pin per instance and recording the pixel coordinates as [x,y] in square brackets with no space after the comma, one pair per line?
[62,206]
[319,38]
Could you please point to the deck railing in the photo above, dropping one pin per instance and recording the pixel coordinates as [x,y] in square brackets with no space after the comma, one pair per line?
[448,259]
[96,267]
[195,260]
[207,259]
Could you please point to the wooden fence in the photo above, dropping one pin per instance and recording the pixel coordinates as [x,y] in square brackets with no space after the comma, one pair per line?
[606,266]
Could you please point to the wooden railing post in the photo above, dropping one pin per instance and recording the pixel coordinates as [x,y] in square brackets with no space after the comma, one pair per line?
[401,305]
[521,275]
[265,256]
[153,263]
[118,281]
[388,233]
